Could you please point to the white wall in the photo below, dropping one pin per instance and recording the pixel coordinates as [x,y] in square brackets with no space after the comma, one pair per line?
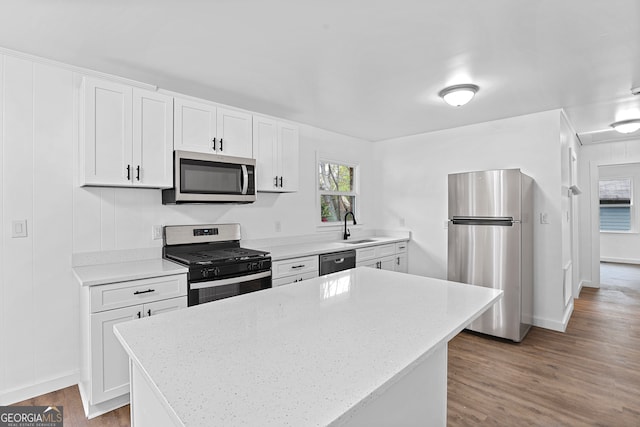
[39,322]
[591,157]
[39,297]
[413,193]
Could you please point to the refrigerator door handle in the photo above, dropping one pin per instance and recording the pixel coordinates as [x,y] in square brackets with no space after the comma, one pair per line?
[503,222]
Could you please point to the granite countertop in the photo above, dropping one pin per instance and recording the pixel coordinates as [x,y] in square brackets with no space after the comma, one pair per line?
[281,252]
[303,354]
[92,275]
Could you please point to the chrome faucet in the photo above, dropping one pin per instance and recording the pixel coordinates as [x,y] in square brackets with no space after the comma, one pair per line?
[346,232]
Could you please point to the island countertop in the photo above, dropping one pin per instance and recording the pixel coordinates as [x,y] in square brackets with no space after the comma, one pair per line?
[308,353]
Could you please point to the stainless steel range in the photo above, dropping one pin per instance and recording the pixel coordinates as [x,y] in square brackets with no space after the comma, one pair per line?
[218,267]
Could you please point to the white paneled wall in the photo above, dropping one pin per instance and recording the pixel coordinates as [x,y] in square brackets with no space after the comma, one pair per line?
[39,295]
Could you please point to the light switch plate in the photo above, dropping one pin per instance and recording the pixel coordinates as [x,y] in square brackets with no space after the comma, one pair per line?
[19,228]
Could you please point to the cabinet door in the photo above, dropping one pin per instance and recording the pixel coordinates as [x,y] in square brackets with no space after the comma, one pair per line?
[288,158]
[265,141]
[109,361]
[152,139]
[387,263]
[194,126]
[158,307]
[107,136]
[401,264]
[234,133]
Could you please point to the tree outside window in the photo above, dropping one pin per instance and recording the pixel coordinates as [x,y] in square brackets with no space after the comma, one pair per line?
[336,189]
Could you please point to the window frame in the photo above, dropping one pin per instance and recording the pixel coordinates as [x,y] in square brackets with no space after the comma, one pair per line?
[630,205]
[320,158]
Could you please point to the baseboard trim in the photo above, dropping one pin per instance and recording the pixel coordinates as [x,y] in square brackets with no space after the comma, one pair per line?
[18,395]
[555,325]
[588,284]
[620,260]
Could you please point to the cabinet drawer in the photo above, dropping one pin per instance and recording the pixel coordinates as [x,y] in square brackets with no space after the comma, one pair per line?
[371,252]
[295,266]
[116,295]
[401,247]
[293,279]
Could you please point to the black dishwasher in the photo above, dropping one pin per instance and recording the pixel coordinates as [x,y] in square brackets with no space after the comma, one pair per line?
[337,261]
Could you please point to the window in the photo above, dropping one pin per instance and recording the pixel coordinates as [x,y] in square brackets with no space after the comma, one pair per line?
[336,190]
[615,204]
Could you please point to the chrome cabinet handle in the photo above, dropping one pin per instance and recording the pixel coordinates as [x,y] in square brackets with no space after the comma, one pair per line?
[144,292]
[213,145]
[298,266]
[275,181]
[138,172]
[338,261]
[280,182]
[128,172]
[149,312]
[220,144]
[139,315]
[398,260]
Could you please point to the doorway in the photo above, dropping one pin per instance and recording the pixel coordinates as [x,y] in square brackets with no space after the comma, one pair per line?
[616,223]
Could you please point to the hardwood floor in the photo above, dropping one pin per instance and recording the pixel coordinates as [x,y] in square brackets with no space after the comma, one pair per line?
[69,399]
[589,375]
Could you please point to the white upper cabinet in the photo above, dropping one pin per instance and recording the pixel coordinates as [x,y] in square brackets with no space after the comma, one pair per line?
[275,145]
[288,136]
[234,133]
[206,128]
[152,139]
[127,136]
[194,126]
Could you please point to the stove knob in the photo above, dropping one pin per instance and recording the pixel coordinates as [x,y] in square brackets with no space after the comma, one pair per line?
[216,271]
[249,266]
[205,272]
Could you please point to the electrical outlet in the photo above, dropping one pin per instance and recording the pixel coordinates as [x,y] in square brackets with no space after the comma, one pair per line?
[156,232]
[278,226]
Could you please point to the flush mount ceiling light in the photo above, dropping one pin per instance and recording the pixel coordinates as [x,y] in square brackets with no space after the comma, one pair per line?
[459,94]
[626,126]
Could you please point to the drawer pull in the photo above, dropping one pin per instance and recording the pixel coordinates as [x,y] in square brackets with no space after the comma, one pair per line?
[149,312]
[144,292]
[139,315]
[338,261]
[298,266]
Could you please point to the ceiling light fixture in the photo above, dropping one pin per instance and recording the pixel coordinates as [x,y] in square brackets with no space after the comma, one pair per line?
[626,126]
[458,95]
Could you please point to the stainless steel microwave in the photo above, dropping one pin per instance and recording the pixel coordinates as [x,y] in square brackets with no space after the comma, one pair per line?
[211,178]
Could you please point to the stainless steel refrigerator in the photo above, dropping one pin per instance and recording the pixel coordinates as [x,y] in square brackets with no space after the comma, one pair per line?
[490,244]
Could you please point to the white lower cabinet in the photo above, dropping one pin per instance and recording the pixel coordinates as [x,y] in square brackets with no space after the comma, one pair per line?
[294,270]
[390,256]
[105,382]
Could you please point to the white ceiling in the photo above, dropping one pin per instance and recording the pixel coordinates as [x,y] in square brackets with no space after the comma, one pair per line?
[367,68]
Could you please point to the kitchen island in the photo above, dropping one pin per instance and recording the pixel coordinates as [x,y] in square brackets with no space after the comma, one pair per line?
[358,347]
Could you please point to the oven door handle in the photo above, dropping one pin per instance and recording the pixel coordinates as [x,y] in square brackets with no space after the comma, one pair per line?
[245,179]
[229,281]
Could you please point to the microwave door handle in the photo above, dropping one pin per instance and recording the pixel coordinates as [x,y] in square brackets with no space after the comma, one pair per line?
[245,179]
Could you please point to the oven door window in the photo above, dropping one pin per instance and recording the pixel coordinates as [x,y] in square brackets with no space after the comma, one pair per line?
[213,293]
[202,177]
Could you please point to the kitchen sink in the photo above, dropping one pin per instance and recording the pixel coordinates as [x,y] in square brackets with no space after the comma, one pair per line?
[355,242]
